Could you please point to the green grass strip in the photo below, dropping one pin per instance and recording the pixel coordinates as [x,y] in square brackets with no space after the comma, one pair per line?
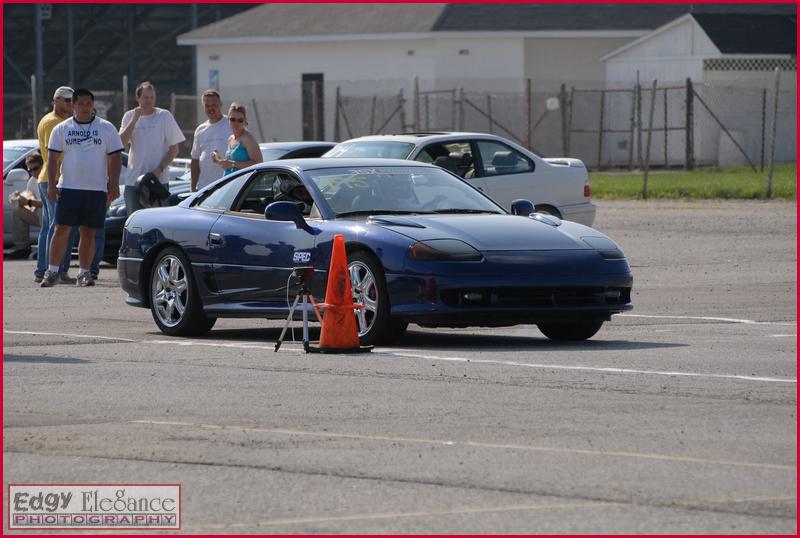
[702,183]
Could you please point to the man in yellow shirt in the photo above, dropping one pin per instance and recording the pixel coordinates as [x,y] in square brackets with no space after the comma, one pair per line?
[62,110]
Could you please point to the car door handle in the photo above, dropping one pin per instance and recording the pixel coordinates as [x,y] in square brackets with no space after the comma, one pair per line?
[216,239]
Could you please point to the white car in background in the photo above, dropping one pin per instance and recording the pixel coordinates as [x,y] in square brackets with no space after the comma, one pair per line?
[500,168]
[15,178]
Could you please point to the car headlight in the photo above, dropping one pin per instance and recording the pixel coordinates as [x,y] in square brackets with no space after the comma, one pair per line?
[443,250]
[606,247]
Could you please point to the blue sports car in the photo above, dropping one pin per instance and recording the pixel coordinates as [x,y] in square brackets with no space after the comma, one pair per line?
[423,247]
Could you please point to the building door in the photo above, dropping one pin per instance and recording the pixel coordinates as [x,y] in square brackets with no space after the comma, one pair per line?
[313,110]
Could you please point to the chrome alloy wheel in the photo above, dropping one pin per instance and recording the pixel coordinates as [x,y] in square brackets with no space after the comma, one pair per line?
[365,291]
[169,291]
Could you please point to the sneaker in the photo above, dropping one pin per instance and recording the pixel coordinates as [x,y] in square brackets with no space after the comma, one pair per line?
[64,278]
[49,280]
[95,276]
[85,280]
[38,278]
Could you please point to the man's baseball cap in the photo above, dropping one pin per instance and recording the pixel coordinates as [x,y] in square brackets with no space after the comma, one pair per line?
[63,91]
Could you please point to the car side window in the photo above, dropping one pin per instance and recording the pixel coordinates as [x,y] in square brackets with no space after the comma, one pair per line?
[453,156]
[257,195]
[275,186]
[498,159]
[223,196]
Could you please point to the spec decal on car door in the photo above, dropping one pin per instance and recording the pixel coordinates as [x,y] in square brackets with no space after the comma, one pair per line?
[301,257]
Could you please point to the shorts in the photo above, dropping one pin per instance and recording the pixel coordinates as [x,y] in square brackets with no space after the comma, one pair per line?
[76,207]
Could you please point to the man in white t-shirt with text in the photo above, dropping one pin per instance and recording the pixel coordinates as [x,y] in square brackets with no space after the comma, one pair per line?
[210,136]
[91,162]
[154,136]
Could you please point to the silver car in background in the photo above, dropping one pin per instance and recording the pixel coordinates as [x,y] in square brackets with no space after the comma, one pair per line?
[498,167]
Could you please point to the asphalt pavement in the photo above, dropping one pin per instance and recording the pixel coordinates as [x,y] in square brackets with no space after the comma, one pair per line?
[678,417]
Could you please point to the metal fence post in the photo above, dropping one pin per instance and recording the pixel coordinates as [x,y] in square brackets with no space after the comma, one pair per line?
[763,124]
[416,105]
[632,141]
[402,105]
[336,126]
[461,121]
[372,114]
[571,108]
[562,98]
[600,130]
[666,130]
[489,112]
[34,104]
[649,140]
[638,121]
[774,132]
[689,125]
[529,102]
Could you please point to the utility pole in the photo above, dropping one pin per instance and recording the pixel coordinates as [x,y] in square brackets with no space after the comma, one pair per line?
[38,96]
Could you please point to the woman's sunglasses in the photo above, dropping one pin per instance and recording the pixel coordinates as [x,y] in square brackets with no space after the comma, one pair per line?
[236,120]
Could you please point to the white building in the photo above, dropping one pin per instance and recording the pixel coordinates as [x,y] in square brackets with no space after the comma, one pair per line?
[268,53]
[731,60]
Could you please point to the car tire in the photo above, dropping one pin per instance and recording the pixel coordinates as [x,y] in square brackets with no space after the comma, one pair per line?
[368,283]
[174,301]
[570,331]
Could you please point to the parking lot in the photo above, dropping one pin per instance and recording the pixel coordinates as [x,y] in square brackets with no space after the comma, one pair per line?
[678,417]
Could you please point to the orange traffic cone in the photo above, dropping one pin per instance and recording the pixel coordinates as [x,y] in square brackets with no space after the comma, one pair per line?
[339,328]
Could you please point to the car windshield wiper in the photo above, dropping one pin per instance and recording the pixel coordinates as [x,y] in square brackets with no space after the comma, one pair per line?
[465,211]
[381,212]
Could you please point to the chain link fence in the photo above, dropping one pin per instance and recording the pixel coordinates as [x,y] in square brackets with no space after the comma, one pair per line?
[713,123]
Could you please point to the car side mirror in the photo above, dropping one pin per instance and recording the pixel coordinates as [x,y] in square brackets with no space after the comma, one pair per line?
[522,207]
[17,175]
[289,212]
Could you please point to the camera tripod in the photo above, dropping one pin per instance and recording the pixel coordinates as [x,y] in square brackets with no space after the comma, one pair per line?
[304,275]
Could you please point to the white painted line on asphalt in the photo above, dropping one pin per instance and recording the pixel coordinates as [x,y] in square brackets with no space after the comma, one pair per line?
[395,515]
[404,353]
[69,335]
[711,318]
[781,336]
[473,444]
[420,355]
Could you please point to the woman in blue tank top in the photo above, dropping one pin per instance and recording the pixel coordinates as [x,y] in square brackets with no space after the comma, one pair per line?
[243,150]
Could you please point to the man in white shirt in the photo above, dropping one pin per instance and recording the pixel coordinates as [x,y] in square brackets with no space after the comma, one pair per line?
[210,136]
[154,136]
[90,168]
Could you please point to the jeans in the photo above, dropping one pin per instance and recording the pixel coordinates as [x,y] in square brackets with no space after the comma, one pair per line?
[46,235]
[99,245]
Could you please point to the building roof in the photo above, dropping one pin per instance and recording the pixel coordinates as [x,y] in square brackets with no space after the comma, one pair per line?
[291,20]
[296,20]
[738,33]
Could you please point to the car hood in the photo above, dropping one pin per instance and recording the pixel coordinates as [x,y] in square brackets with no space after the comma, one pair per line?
[489,232]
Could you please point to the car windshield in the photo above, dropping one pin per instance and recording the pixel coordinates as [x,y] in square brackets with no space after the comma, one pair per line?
[398,190]
[371,149]
[12,153]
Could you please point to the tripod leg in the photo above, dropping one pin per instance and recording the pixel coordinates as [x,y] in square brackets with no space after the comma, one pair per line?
[305,323]
[288,321]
